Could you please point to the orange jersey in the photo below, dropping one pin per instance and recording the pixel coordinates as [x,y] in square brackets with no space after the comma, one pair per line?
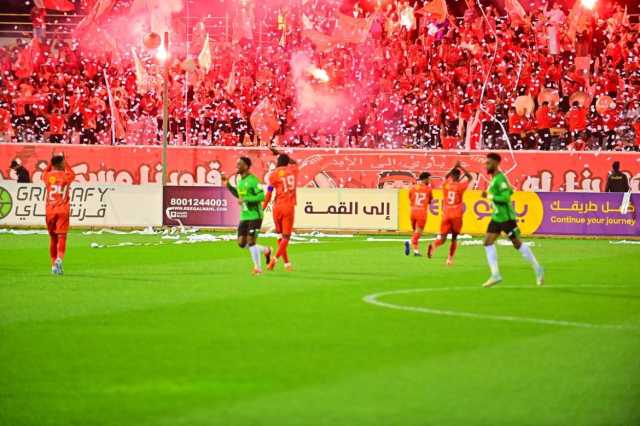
[285,180]
[57,183]
[420,197]
[452,192]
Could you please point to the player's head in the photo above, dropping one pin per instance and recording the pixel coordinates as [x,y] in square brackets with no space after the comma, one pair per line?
[455,174]
[14,164]
[616,166]
[425,178]
[243,165]
[493,162]
[57,161]
[283,160]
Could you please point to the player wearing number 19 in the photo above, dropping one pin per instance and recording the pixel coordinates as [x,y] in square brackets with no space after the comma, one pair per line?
[503,219]
[284,181]
[250,196]
[57,178]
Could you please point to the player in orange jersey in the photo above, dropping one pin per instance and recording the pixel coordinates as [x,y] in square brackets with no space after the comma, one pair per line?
[57,178]
[455,184]
[284,180]
[420,198]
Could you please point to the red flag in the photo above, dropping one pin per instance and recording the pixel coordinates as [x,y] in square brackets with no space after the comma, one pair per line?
[59,5]
[29,57]
[351,30]
[436,10]
[99,8]
[515,10]
[264,121]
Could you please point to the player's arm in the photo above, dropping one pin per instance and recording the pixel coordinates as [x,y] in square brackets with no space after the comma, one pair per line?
[412,195]
[501,195]
[274,151]
[468,175]
[255,193]
[267,197]
[230,187]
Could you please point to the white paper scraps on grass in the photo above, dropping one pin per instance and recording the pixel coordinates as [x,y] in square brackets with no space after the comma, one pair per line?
[396,240]
[146,231]
[123,244]
[23,231]
[171,237]
[499,242]
[625,242]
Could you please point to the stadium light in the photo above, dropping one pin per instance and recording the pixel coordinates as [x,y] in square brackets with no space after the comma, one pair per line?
[319,74]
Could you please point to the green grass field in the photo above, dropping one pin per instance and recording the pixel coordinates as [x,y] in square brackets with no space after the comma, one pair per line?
[184,335]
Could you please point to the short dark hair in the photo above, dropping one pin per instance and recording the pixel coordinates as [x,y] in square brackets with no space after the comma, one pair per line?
[455,173]
[14,164]
[57,160]
[246,160]
[494,156]
[283,160]
[424,175]
[616,166]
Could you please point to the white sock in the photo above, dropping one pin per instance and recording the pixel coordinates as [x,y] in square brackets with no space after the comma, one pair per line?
[492,259]
[256,251]
[528,254]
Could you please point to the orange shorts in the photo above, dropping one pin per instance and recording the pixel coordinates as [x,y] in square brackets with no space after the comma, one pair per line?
[283,219]
[57,223]
[418,220]
[451,225]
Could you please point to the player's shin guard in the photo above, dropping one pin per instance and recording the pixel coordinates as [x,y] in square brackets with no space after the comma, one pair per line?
[414,241]
[528,255]
[492,259]
[53,247]
[453,248]
[62,246]
[282,249]
[256,251]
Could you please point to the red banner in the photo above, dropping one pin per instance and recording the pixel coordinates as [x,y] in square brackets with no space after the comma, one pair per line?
[325,168]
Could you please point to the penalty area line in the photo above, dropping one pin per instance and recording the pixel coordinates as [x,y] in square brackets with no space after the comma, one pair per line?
[374,299]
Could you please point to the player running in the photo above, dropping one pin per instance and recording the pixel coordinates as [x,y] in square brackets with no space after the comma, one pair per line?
[456,183]
[420,198]
[57,178]
[250,196]
[503,219]
[284,180]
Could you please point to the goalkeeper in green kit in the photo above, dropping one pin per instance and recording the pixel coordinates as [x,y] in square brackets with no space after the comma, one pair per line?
[503,219]
[250,195]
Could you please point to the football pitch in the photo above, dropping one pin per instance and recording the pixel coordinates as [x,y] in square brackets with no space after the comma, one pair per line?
[182,334]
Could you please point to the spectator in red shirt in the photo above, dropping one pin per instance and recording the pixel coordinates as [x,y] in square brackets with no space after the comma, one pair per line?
[577,120]
[544,123]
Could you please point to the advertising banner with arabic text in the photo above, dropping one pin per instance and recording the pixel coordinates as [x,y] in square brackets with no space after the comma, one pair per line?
[324,168]
[91,205]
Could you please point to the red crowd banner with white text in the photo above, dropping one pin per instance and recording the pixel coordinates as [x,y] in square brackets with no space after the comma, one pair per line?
[323,168]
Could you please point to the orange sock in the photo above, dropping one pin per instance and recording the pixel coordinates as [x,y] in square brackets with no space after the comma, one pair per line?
[415,240]
[453,248]
[282,249]
[62,246]
[53,247]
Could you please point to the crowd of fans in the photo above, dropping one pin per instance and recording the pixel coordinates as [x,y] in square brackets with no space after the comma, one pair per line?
[480,81]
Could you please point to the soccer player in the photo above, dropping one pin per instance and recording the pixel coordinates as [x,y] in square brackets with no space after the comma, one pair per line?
[57,178]
[455,185]
[503,219]
[250,196]
[284,180]
[420,198]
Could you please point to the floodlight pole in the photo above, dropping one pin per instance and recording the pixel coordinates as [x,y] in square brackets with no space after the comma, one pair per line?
[165,108]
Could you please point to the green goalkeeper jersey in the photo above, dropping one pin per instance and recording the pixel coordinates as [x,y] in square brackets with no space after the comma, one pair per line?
[249,192]
[499,193]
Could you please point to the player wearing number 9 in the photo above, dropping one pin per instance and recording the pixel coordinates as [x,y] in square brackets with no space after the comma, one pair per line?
[453,208]
[284,180]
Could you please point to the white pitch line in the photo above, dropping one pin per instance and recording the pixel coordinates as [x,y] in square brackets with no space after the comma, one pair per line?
[373,299]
